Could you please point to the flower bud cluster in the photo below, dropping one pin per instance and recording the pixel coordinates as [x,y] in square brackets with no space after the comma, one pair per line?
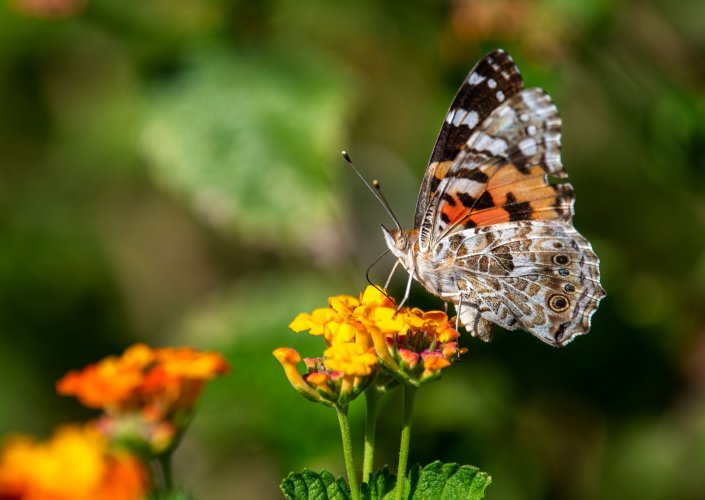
[364,336]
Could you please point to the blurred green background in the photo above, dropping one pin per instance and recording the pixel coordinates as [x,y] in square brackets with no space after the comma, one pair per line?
[170,173]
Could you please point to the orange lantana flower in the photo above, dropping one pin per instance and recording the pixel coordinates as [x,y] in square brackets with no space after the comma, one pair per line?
[161,380]
[146,393]
[76,464]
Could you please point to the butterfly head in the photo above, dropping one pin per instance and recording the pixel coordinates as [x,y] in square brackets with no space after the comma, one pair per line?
[401,243]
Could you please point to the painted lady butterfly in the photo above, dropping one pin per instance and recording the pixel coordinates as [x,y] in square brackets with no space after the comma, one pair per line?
[491,234]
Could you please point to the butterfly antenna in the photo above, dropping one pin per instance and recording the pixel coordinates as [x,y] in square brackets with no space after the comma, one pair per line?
[367,276]
[377,193]
[378,187]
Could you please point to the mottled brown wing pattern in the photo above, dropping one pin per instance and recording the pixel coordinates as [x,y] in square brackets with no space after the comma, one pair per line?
[493,77]
[493,230]
[501,174]
[540,276]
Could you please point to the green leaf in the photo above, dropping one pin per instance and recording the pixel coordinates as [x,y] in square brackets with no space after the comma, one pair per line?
[381,485]
[308,485]
[251,139]
[436,481]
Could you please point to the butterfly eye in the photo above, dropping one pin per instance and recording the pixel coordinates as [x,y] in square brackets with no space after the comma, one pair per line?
[558,303]
[402,243]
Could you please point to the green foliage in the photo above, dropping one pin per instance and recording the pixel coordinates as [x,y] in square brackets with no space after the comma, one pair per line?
[309,485]
[435,481]
[381,485]
[446,481]
[246,136]
[171,495]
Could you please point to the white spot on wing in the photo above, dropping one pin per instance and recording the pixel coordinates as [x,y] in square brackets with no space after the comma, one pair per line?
[491,83]
[474,79]
[471,119]
[463,117]
[528,147]
[554,122]
[531,130]
[541,106]
[488,143]
[524,117]
[469,186]
[500,96]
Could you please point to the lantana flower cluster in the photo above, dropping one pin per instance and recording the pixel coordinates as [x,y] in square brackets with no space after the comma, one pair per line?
[365,337]
[147,397]
[147,394]
[76,464]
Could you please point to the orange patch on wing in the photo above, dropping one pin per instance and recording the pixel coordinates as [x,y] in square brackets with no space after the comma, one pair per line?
[529,188]
[489,216]
[513,195]
[522,185]
[453,213]
[545,209]
[441,169]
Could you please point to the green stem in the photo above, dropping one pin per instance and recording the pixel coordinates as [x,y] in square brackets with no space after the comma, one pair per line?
[347,451]
[165,466]
[161,470]
[372,398]
[409,393]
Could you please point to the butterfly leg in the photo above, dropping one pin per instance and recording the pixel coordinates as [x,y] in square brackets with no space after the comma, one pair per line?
[389,279]
[406,293]
[457,313]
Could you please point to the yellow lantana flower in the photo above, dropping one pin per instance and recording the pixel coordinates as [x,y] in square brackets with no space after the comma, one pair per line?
[315,322]
[350,359]
[363,333]
[334,379]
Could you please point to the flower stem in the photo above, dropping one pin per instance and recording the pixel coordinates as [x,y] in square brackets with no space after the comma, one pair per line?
[409,393]
[165,459]
[161,470]
[347,451]
[372,398]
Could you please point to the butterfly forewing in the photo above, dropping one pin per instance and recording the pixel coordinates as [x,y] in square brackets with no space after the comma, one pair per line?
[501,173]
[494,79]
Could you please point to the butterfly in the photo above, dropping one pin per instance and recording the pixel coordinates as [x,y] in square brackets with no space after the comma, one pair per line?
[491,234]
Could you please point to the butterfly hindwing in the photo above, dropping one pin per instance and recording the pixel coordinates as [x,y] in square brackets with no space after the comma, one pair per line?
[540,276]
